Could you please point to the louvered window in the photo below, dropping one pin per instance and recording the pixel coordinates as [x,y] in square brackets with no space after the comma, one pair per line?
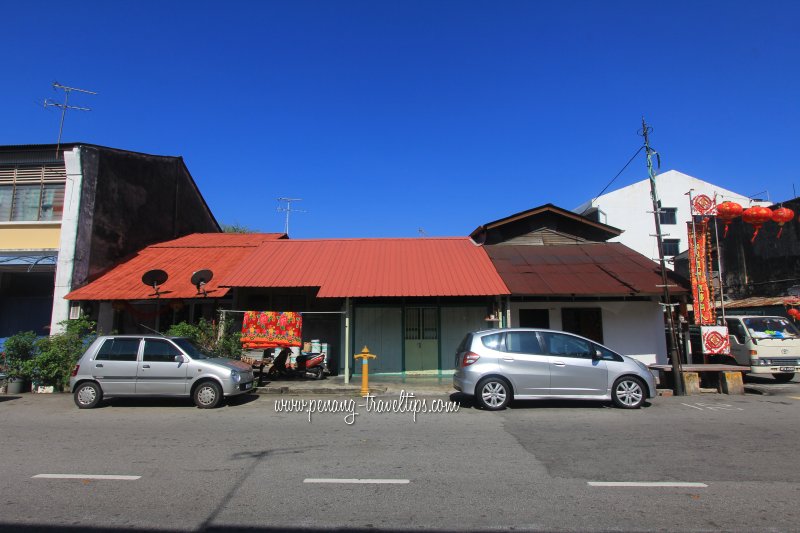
[32,193]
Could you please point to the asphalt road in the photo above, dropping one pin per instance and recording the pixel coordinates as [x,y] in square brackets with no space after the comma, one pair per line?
[536,466]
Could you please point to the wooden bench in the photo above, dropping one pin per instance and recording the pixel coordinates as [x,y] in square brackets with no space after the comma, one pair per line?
[726,378]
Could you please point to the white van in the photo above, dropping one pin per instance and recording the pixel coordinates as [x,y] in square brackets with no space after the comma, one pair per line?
[767,344]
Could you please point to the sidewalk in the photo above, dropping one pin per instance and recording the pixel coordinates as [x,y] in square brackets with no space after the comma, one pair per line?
[378,385]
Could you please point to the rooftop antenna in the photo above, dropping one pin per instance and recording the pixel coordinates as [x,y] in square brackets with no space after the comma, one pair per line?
[422,232]
[288,209]
[65,106]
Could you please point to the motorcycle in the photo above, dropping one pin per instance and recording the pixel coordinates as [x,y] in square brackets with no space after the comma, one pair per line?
[307,365]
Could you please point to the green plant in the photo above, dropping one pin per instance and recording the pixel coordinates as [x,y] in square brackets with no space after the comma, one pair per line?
[19,350]
[57,354]
[206,335]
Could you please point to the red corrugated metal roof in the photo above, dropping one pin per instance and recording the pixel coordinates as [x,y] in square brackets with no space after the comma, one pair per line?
[600,269]
[372,267]
[179,258]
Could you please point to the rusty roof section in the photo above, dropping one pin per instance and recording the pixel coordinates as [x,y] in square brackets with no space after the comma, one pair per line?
[597,269]
[611,230]
[179,258]
[372,267]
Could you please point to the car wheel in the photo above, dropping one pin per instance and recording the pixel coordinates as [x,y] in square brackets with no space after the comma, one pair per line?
[628,392]
[88,395]
[207,395]
[783,378]
[493,394]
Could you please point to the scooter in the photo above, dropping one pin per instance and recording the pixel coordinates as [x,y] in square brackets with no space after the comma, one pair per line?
[308,365]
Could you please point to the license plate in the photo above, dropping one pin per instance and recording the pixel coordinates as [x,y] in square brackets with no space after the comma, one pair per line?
[787,369]
[247,386]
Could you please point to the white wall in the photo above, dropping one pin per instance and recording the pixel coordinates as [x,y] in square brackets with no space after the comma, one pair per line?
[630,328]
[69,232]
[627,209]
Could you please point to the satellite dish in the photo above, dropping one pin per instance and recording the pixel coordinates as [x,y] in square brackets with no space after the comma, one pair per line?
[199,280]
[154,278]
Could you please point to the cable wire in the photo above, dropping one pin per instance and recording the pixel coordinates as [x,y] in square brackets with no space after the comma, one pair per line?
[612,180]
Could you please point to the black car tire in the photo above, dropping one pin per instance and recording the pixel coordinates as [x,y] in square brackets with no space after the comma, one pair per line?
[207,395]
[493,394]
[783,378]
[629,392]
[88,395]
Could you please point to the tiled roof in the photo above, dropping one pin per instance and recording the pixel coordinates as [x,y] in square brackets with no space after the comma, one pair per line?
[179,258]
[600,269]
[372,267]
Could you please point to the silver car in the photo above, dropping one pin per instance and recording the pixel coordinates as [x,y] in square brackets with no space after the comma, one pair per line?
[151,365]
[496,366]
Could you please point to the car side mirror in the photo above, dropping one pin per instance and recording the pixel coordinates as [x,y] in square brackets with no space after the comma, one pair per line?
[597,355]
[180,359]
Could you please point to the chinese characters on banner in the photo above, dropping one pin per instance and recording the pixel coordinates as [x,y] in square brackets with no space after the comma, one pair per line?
[704,311]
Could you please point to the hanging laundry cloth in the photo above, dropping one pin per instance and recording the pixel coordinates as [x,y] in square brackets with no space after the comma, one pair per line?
[270,329]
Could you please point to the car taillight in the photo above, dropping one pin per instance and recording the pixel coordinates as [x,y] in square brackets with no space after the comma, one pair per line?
[75,370]
[469,358]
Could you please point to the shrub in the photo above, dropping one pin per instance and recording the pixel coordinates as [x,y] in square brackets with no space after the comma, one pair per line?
[19,350]
[206,335]
[56,355]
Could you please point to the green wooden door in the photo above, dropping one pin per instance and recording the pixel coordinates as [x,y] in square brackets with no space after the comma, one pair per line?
[421,339]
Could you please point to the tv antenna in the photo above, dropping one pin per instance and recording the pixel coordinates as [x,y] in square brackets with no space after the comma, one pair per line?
[65,106]
[288,210]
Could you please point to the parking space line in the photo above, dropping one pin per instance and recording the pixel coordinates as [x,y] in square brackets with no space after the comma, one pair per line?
[646,484]
[86,476]
[358,481]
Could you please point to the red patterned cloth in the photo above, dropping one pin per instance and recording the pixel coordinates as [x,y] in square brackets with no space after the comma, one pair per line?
[269,329]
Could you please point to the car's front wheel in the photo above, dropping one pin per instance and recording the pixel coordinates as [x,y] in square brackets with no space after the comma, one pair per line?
[783,378]
[88,395]
[493,393]
[207,395]
[628,392]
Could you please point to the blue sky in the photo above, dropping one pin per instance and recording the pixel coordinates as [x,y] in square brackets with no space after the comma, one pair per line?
[386,117]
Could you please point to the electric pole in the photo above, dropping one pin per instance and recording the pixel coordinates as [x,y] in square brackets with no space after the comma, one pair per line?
[64,107]
[674,351]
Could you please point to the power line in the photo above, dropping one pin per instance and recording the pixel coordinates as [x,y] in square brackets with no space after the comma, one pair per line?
[613,179]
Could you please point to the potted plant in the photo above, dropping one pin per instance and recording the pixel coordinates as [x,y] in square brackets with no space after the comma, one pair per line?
[19,351]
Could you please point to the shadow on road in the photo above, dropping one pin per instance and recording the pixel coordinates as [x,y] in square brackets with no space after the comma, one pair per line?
[31,528]
[234,401]
[468,402]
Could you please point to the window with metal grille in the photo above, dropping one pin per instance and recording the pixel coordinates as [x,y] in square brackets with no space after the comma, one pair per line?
[668,215]
[672,247]
[32,193]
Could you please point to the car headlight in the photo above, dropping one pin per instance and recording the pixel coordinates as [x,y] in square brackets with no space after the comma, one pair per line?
[236,377]
[766,362]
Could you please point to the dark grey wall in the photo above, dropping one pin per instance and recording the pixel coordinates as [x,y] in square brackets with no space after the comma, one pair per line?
[130,201]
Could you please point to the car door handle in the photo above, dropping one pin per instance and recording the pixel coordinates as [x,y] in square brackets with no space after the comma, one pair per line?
[145,366]
[508,358]
[559,363]
[99,365]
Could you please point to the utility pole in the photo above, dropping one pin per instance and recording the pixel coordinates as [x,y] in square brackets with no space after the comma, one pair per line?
[675,351]
[288,210]
[64,107]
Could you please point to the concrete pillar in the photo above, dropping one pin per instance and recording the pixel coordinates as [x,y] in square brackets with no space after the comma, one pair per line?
[691,381]
[731,383]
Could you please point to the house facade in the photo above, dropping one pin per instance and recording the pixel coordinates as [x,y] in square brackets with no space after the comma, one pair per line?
[67,215]
[630,209]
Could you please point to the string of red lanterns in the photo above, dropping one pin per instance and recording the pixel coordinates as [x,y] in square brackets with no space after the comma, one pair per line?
[757,216]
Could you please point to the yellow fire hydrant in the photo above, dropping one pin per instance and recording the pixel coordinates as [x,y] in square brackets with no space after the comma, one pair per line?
[365,356]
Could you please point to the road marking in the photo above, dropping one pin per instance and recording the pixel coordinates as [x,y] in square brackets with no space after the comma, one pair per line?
[714,407]
[687,405]
[795,397]
[85,476]
[646,484]
[357,481]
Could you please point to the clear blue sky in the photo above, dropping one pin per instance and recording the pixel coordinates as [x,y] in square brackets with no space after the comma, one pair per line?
[387,117]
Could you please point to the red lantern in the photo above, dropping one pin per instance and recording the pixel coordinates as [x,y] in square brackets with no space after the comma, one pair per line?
[757,216]
[794,313]
[727,211]
[782,215]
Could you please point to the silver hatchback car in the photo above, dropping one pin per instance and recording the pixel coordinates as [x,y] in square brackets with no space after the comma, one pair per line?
[151,365]
[496,366]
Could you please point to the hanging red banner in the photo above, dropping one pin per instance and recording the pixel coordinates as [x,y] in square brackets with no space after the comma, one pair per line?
[704,206]
[704,312]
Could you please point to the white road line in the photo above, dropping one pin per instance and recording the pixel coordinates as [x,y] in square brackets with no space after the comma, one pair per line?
[357,481]
[687,405]
[645,484]
[85,476]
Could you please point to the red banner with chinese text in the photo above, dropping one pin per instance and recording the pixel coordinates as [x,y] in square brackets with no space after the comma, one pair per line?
[704,312]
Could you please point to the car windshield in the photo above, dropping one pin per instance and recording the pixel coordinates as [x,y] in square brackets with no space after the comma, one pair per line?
[194,351]
[771,328]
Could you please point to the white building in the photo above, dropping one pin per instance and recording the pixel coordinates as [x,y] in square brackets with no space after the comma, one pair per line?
[631,210]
